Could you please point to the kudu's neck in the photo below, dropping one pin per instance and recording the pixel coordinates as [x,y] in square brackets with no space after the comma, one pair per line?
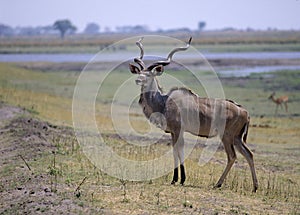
[151,86]
[151,98]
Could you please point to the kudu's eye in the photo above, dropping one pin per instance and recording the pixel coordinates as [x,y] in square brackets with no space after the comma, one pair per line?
[134,69]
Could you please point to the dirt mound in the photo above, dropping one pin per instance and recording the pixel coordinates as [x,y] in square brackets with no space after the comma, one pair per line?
[21,134]
[23,189]
[8,112]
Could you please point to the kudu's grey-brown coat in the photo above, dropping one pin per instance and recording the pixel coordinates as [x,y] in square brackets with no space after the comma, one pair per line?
[181,111]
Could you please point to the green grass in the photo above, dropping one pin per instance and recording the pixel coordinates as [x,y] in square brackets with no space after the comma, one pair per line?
[249,47]
[253,91]
[49,94]
[202,47]
[277,81]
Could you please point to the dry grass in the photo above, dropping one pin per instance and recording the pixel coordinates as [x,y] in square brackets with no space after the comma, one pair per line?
[278,188]
[211,40]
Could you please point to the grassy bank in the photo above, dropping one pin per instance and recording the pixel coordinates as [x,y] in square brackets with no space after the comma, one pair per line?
[274,139]
[213,41]
[31,88]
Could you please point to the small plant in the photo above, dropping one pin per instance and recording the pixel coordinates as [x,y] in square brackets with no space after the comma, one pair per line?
[142,192]
[54,171]
[125,199]
[157,196]
[26,163]
[186,203]
[77,190]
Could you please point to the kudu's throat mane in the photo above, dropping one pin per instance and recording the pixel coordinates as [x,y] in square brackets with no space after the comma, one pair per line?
[152,98]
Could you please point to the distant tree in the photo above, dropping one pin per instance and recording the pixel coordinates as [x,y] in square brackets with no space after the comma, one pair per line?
[6,30]
[107,29]
[140,28]
[47,29]
[29,31]
[228,29]
[201,25]
[183,29]
[132,29]
[64,26]
[92,28]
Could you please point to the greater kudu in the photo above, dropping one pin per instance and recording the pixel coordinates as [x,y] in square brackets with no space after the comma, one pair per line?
[181,111]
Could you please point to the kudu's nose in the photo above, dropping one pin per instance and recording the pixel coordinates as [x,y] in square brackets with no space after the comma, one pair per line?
[138,82]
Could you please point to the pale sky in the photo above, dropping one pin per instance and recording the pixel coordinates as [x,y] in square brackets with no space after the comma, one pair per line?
[156,14]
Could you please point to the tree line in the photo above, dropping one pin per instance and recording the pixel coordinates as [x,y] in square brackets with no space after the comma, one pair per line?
[65,26]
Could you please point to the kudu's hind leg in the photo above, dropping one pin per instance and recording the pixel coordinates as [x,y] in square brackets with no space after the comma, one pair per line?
[231,157]
[175,174]
[178,154]
[243,149]
[181,159]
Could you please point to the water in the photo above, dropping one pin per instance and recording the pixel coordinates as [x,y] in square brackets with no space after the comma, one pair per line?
[243,72]
[56,58]
[116,56]
[254,55]
[85,57]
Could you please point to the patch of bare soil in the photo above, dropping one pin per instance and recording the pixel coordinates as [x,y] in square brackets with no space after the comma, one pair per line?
[70,66]
[49,66]
[23,190]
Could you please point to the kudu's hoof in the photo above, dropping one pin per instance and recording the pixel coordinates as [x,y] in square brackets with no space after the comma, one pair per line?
[217,186]
[182,182]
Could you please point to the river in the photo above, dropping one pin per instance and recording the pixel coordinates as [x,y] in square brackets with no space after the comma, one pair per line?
[115,56]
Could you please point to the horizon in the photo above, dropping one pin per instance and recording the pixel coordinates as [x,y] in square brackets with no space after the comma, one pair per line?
[257,15]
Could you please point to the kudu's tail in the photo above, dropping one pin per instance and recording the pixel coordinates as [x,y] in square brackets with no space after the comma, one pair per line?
[244,130]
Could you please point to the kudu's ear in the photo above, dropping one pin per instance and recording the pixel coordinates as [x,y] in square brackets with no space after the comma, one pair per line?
[158,70]
[134,69]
